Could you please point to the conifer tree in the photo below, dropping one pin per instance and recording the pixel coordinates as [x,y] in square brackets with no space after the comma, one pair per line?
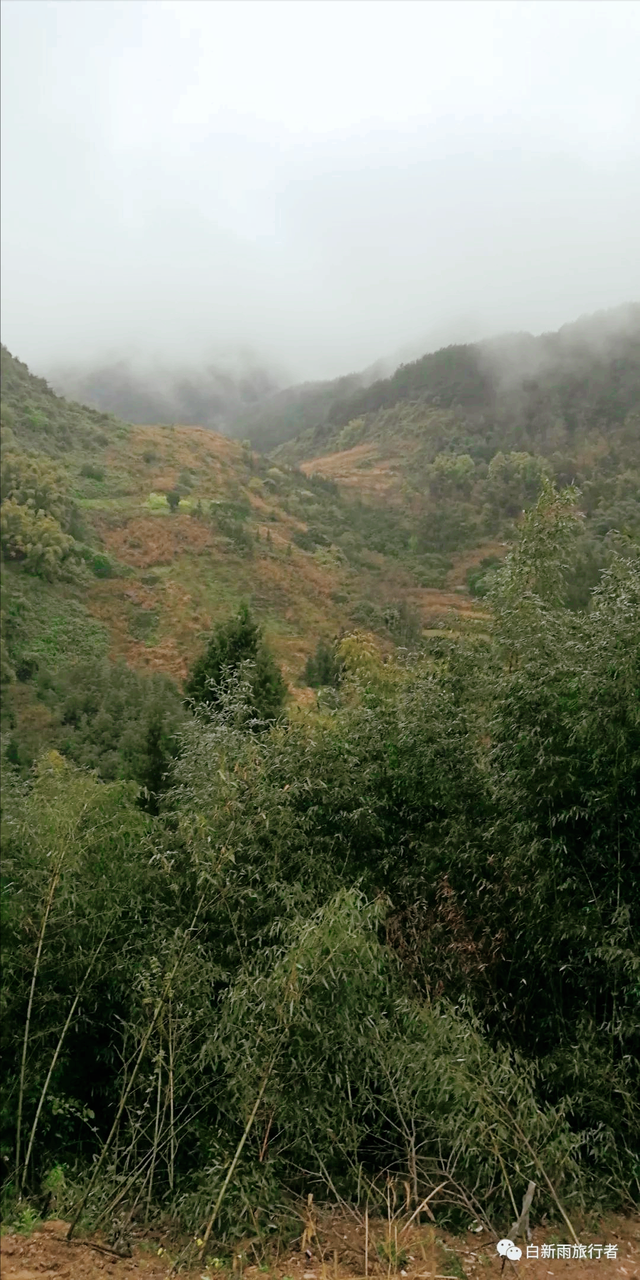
[237,646]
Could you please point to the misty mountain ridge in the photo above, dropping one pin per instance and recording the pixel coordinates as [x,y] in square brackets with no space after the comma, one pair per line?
[250,401]
[516,390]
[209,396]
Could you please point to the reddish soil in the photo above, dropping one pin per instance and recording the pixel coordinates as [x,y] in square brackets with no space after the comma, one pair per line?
[340,1256]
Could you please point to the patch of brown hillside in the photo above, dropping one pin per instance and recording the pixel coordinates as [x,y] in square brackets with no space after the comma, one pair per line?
[363,468]
[433,605]
[144,541]
[154,457]
[466,560]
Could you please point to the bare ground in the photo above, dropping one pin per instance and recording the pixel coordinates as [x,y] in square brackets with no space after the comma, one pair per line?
[335,1253]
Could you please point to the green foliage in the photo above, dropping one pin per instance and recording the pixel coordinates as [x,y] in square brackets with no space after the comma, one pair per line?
[173,499]
[116,721]
[39,624]
[42,420]
[35,514]
[397,619]
[229,519]
[450,474]
[69,836]
[102,566]
[237,648]
[393,938]
[480,576]
[157,501]
[514,481]
[447,529]
[34,539]
[323,667]
[92,471]
[32,480]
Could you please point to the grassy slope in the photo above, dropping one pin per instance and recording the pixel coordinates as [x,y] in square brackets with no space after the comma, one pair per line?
[179,575]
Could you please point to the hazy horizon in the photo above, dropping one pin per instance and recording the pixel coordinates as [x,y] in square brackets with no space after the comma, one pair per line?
[311,188]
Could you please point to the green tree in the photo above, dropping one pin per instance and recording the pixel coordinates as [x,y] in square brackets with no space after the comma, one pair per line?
[237,648]
[514,482]
[323,667]
[173,498]
[450,474]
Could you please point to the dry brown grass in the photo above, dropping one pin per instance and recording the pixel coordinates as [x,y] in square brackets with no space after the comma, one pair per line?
[365,468]
[202,578]
[145,541]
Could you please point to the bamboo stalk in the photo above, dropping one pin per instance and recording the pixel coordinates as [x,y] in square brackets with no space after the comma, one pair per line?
[143,1048]
[155,1137]
[54,1060]
[172,1148]
[366,1238]
[238,1152]
[53,883]
[546,1178]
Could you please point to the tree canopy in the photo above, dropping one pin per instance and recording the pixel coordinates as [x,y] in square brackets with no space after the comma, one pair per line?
[237,648]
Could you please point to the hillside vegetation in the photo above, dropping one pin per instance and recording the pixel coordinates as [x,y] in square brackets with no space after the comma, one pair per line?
[464,438]
[98,562]
[320,820]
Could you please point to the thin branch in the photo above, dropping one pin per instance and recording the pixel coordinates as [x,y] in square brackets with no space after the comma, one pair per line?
[56,1055]
[114,1128]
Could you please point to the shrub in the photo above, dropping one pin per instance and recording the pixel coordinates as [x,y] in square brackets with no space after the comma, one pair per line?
[323,667]
[92,471]
[101,566]
[32,480]
[33,538]
[480,576]
[157,501]
[237,648]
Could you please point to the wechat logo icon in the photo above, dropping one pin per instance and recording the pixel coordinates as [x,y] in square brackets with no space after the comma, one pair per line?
[507,1249]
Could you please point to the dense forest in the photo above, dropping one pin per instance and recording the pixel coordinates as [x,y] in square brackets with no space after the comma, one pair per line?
[256,950]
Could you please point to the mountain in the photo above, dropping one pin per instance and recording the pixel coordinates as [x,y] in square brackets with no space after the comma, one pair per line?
[244,403]
[463,439]
[388,514]
[516,391]
[246,958]
[96,562]
[585,373]
[211,396]
[287,413]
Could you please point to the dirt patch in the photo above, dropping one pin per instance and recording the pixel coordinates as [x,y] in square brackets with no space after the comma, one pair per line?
[46,1253]
[337,1252]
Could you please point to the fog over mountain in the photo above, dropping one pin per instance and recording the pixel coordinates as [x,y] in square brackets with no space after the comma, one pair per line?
[319,186]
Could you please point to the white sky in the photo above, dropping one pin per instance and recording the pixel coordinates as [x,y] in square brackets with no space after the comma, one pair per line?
[319,183]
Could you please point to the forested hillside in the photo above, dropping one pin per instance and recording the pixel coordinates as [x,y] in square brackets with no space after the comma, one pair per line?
[321,811]
[518,389]
[464,438]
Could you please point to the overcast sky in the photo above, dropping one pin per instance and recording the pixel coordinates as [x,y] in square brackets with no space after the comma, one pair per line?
[318,184]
